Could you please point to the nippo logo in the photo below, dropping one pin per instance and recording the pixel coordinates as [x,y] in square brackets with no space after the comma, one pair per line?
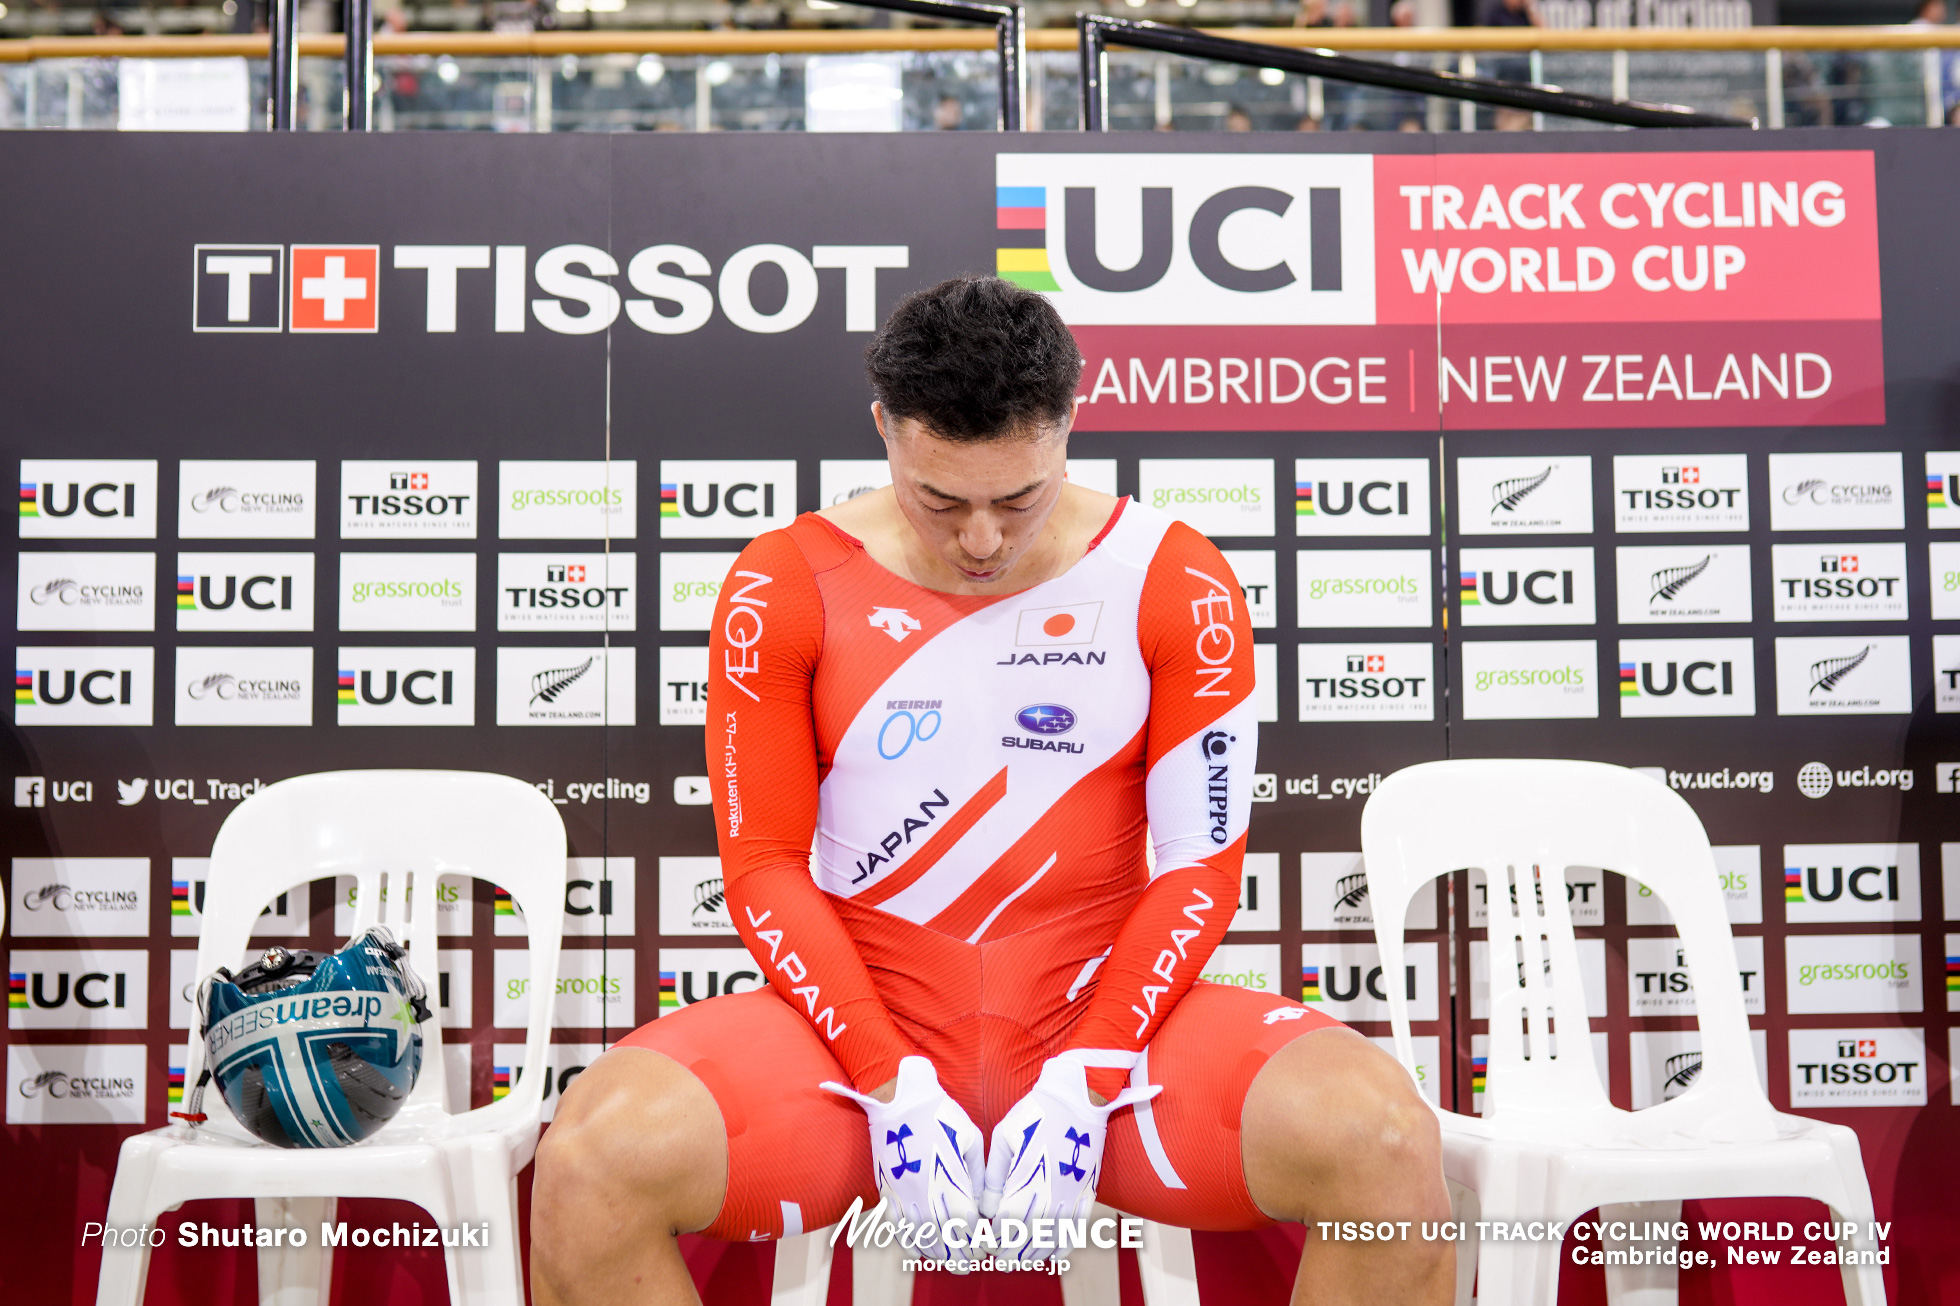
[335,287]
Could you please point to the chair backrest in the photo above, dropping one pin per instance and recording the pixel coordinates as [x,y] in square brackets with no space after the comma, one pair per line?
[393,833]
[1523,823]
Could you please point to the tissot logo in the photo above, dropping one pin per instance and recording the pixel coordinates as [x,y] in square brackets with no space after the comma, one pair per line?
[1843,675]
[406,686]
[1361,496]
[245,499]
[572,591]
[1836,491]
[403,498]
[244,591]
[85,988]
[1659,982]
[1524,496]
[79,897]
[335,288]
[237,287]
[735,499]
[244,686]
[1670,583]
[1946,673]
[83,686]
[1372,682]
[88,498]
[1839,582]
[86,591]
[585,686]
[408,591]
[1824,883]
[76,1084]
[1683,492]
[1525,587]
[683,686]
[1687,677]
[1183,239]
[1882,1066]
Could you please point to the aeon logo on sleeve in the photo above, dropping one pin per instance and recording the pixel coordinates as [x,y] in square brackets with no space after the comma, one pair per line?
[1824,883]
[568,500]
[1836,491]
[88,498]
[105,686]
[406,686]
[86,988]
[1361,496]
[1843,675]
[568,591]
[86,591]
[725,499]
[1697,584]
[1687,677]
[1525,587]
[408,497]
[1189,239]
[1681,492]
[1839,582]
[79,897]
[1524,496]
[244,591]
[245,499]
[77,1084]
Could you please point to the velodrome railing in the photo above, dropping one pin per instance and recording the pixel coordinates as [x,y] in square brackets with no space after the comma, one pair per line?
[753,80]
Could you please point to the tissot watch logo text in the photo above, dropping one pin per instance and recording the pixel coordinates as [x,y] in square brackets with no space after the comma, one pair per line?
[1686,492]
[1372,682]
[570,591]
[1839,581]
[408,498]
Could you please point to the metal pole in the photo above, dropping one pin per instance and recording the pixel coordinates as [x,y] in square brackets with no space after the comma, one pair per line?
[284,70]
[357,113]
[1929,69]
[1012,33]
[1095,66]
[1773,89]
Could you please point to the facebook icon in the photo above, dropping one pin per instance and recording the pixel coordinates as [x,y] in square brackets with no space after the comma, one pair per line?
[1946,778]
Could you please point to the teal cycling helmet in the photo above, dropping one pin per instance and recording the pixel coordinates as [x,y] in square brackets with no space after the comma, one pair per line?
[314,1049]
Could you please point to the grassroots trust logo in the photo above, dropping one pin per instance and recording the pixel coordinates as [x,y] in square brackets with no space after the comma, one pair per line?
[1322,587]
[600,496]
[1247,494]
[445,590]
[1893,970]
[1566,677]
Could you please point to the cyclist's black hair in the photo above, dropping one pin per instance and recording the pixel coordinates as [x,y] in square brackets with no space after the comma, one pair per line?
[975,358]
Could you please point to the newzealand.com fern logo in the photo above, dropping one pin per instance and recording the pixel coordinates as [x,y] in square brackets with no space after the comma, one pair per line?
[1505,496]
[546,686]
[1827,672]
[1670,581]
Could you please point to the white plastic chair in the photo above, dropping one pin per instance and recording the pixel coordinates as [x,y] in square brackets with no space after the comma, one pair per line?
[1550,1146]
[394,832]
[1170,1278]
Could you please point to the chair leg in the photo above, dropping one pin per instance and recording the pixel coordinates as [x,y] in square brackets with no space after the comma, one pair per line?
[124,1269]
[802,1276]
[1640,1285]
[878,1276]
[1093,1278]
[1864,1285]
[295,1276]
[1167,1266]
[483,1191]
[1465,1210]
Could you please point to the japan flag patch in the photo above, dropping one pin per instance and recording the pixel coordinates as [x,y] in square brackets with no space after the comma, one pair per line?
[1052,627]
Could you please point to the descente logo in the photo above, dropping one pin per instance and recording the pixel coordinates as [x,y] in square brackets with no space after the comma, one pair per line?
[1828,972]
[1519,677]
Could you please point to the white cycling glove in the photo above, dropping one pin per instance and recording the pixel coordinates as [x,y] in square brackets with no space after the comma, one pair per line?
[1047,1151]
[927,1151]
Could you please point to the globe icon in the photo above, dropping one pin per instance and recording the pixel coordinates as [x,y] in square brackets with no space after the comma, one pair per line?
[1814,779]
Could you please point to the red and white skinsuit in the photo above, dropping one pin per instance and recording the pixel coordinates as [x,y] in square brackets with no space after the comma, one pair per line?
[979,774]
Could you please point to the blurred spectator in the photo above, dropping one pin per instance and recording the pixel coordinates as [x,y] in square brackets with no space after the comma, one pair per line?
[1513,120]
[1237,120]
[947,114]
[1410,123]
[104,25]
[1313,13]
[1512,13]
[1344,14]
[1307,123]
[1931,13]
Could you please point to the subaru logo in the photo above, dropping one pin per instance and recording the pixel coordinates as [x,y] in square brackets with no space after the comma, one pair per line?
[1046,719]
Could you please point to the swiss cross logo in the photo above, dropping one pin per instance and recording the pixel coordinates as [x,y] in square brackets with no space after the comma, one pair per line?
[560,573]
[1848,562]
[1867,1047]
[408,480]
[334,287]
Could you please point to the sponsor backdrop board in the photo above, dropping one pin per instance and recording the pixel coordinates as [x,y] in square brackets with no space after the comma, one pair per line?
[1680,408]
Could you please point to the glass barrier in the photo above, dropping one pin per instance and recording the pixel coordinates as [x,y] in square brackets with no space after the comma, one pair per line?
[957,90]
